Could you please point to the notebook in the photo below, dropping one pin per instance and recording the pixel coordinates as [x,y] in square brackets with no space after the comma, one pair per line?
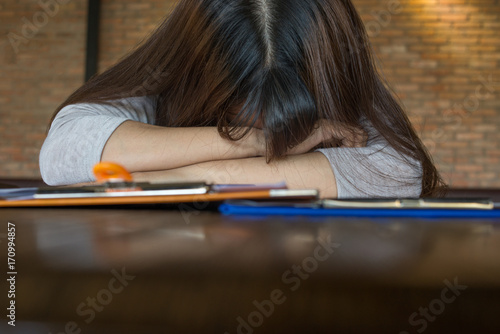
[126,193]
[116,186]
[426,208]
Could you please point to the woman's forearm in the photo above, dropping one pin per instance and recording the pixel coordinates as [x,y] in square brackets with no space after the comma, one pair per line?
[305,171]
[141,147]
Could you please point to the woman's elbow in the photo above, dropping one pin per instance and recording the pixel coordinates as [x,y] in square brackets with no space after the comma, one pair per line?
[59,166]
[47,161]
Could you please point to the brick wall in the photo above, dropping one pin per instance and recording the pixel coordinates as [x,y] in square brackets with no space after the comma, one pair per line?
[440,56]
[125,23]
[41,62]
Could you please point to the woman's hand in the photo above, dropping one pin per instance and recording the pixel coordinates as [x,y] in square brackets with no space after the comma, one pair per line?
[328,131]
[324,132]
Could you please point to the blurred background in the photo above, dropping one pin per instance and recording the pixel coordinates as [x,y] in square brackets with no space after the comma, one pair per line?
[441,57]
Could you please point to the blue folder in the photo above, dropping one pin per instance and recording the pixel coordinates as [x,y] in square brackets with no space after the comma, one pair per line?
[257,209]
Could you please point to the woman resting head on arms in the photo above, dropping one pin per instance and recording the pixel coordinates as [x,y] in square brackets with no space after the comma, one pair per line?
[246,91]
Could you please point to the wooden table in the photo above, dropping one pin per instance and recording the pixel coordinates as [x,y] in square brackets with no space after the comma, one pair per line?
[171,270]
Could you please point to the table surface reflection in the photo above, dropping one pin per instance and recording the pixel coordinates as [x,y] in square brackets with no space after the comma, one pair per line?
[187,271]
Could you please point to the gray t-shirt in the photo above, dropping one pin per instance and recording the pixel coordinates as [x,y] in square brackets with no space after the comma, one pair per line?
[80,131]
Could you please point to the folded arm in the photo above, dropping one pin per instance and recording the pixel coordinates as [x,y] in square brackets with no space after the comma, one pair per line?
[84,134]
[144,147]
[124,132]
[304,171]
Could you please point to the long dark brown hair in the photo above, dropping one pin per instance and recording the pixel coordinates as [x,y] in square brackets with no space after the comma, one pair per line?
[288,62]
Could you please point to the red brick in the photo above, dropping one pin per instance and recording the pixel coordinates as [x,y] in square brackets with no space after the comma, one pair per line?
[453,17]
[469,168]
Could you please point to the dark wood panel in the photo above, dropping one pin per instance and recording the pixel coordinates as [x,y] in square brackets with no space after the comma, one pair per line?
[198,271]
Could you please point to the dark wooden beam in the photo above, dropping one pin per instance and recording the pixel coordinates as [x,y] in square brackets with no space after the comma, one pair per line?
[94,9]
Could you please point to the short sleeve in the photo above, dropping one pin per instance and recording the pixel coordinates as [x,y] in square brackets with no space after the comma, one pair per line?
[79,133]
[374,171]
